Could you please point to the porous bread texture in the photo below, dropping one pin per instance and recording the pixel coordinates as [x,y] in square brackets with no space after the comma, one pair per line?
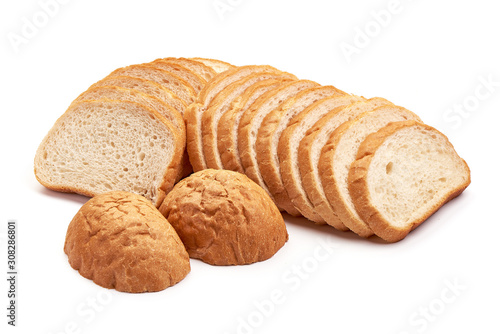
[121,241]
[218,66]
[219,106]
[193,79]
[310,151]
[227,128]
[402,174]
[105,145]
[194,112]
[127,94]
[145,86]
[165,78]
[270,131]
[249,127]
[288,150]
[339,153]
[224,218]
[202,70]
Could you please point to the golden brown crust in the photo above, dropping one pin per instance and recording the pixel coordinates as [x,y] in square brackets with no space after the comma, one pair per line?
[193,79]
[193,128]
[120,241]
[224,218]
[218,66]
[359,191]
[202,70]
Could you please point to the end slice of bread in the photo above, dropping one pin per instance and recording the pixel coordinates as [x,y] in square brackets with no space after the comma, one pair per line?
[105,145]
[339,153]
[403,173]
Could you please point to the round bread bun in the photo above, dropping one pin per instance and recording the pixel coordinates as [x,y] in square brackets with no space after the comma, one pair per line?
[224,218]
[121,241]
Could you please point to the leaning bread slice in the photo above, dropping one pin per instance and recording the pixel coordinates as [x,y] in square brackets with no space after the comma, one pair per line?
[249,127]
[193,116]
[165,78]
[218,66]
[145,86]
[193,79]
[125,94]
[402,174]
[219,105]
[310,151]
[227,129]
[204,71]
[270,131]
[340,152]
[288,147]
[104,145]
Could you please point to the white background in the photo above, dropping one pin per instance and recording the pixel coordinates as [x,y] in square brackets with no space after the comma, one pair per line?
[430,57]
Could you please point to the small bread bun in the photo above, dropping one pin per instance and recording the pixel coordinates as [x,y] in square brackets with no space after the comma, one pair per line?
[224,218]
[120,241]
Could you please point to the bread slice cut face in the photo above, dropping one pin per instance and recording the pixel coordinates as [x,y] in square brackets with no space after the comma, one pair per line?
[402,174]
[104,145]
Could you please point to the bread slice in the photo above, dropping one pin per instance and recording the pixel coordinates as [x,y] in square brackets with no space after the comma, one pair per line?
[202,70]
[249,127]
[105,145]
[310,151]
[288,147]
[193,79]
[193,116]
[145,86]
[227,129]
[270,132]
[126,94]
[221,104]
[402,174]
[340,152]
[167,79]
[218,66]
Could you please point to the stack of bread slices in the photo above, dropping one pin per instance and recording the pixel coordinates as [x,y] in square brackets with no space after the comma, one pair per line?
[354,163]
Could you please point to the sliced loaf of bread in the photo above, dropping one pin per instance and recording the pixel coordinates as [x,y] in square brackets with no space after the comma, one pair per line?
[340,152]
[165,78]
[288,147]
[270,132]
[227,129]
[402,174]
[105,145]
[221,103]
[249,127]
[193,116]
[310,151]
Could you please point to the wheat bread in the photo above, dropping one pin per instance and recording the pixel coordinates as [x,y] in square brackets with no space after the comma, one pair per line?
[288,147]
[224,218]
[145,86]
[249,127]
[165,78]
[310,151]
[270,132]
[193,79]
[402,174]
[106,145]
[339,153]
[219,105]
[218,66]
[193,115]
[121,241]
[227,128]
